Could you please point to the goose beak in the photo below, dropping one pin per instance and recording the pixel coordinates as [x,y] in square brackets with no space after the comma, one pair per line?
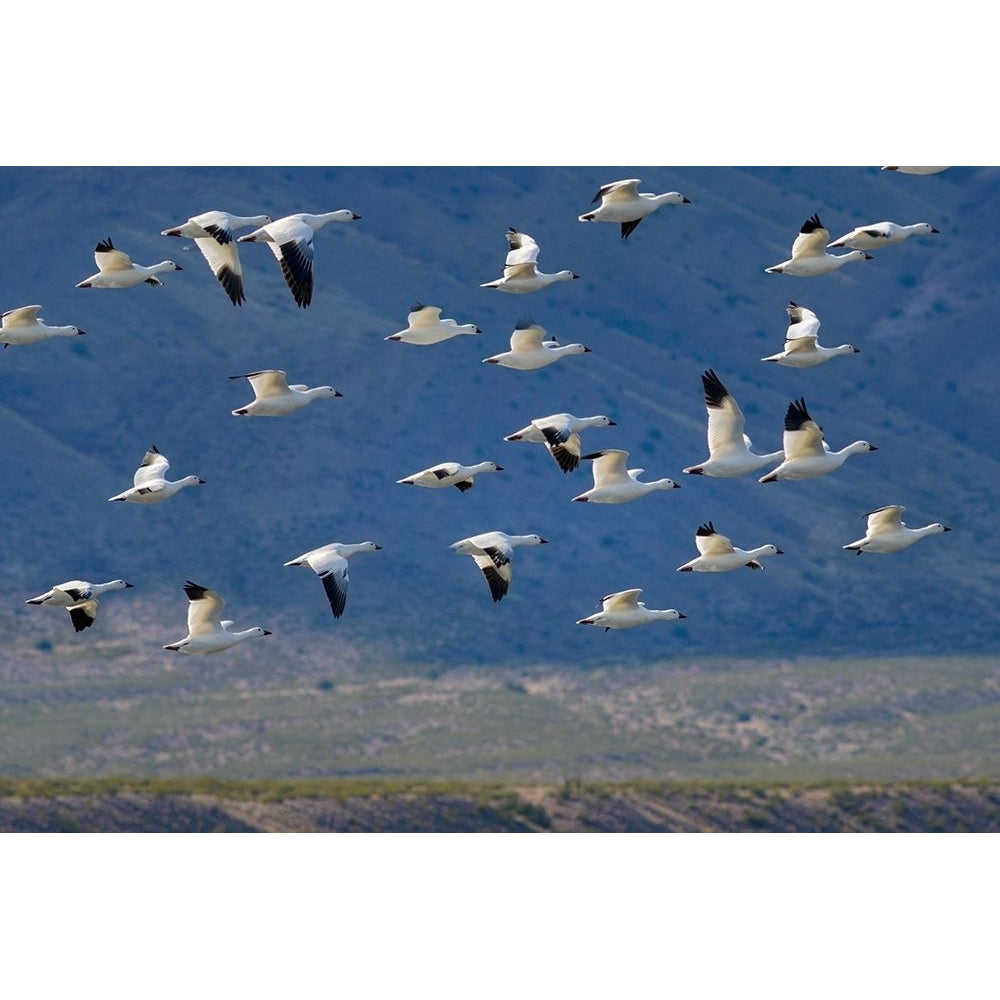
[544,541]
[681,615]
[265,631]
[946,528]
[355,216]
[129,584]
[779,552]
[499,468]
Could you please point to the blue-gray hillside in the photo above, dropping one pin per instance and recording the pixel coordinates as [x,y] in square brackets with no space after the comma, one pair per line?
[686,292]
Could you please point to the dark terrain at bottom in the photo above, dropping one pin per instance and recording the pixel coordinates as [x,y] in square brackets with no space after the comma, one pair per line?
[570,807]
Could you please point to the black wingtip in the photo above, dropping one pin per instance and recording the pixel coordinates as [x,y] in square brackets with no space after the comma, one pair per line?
[811,224]
[708,528]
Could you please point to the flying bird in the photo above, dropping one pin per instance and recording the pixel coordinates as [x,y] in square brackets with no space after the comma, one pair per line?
[212,233]
[729,451]
[149,484]
[802,349]
[806,453]
[613,483]
[719,555]
[424,326]
[116,270]
[25,326]
[625,610]
[329,563]
[291,242]
[206,634]
[621,201]
[809,257]
[531,349]
[492,552]
[274,397]
[887,532]
[79,597]
[882,234]
[450,474]
[560,433]
[520,274]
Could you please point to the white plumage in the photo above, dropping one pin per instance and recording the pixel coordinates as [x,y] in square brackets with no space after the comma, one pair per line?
[274,397]
[530,350]
[492,552]
[613,483]
[212,233]
[79,597]
[809,257]
[450,474]
[719,555]
[882,234]
[520,274]
[25,326]
[802,349]
[806,453]
[206,634]
[116,270]
[149,484]
[424,326]
[887,532]
[291,242]
[329,563]
[729,451]
[622,202]
[625,610]
[560,433]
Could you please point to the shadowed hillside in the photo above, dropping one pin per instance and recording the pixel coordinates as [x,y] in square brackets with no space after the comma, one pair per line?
[686,292]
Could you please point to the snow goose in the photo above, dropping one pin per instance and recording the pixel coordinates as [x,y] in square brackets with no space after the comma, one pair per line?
[801,347]
[560,433]
[274,397]
[625,610]
[520,273]
[450,474]
[212,233]
[25,326]
[809,257]
[424,326]
[116,270]
[728,447]
[806,453]
[329,563]
[492,552]
[149,482]
[291,242]
[79,597]
[206,634]
[881,234]
[887,532]
[719,555]
[917,170]
[613,483]
[621,201]
[530,349]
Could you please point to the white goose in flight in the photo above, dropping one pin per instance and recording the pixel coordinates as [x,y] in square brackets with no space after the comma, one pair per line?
[291,242]
[206,634]
[212,233]
[622,202]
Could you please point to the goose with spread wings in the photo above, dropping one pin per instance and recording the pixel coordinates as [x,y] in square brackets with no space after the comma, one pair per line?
[520,274]
[622,202]
[206,633]
[212,233]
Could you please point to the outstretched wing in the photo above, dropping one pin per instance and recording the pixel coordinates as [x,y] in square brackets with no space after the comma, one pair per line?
[152,468]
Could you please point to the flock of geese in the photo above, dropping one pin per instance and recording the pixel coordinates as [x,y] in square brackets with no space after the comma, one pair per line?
[804,454]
